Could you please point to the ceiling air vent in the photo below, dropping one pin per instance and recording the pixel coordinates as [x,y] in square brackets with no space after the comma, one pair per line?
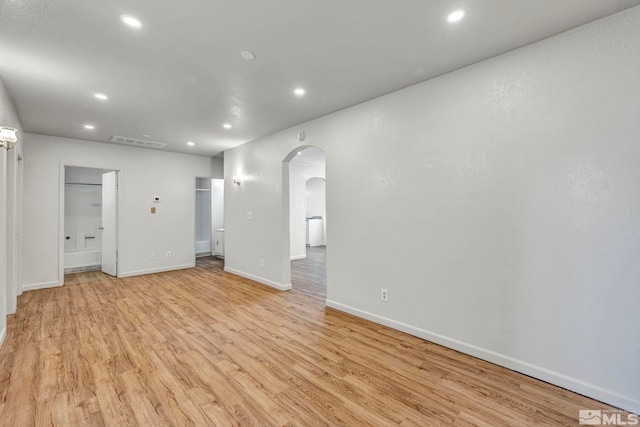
[137,142]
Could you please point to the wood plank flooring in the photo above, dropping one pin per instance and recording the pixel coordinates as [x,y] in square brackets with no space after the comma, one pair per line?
[309,275]
[203,347]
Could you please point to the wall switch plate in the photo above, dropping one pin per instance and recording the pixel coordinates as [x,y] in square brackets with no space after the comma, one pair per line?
[153,257]
[168,254]
[384,294]
[248,215]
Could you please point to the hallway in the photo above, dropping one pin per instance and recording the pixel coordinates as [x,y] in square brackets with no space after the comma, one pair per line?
[309,275]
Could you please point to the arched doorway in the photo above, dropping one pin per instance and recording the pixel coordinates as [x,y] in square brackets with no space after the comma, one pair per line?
[305,207]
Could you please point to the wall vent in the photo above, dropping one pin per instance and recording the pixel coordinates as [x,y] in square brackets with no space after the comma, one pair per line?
[137,142]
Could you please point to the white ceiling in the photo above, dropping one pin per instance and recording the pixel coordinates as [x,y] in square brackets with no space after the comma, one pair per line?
[180,77]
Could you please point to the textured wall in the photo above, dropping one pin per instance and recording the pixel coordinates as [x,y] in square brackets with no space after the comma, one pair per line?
[503,199]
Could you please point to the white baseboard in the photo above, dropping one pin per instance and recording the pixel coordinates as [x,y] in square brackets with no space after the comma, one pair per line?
[258,279]
[156,270]
[295,257]
[608,396]
[43,285]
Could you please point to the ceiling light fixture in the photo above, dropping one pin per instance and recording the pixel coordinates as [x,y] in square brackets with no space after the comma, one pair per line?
[227,125]
[89,127]
[8,137]
[455,16]
[131,21]
[101,96]
[191,143]
[299,91]
[249,56]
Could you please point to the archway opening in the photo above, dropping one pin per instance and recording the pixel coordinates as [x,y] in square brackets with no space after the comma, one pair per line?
[307,220]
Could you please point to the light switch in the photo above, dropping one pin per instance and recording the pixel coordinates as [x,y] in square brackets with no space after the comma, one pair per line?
[248,215]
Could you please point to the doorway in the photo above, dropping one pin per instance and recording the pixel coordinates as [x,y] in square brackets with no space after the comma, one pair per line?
[209,233]
[90,213]
[307,221]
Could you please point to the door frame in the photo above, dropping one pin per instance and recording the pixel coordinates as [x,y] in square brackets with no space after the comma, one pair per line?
[195,217]
[13,180]
[119,221]
[107,221]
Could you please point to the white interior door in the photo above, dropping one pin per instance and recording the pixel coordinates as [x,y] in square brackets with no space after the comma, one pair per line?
[109,223]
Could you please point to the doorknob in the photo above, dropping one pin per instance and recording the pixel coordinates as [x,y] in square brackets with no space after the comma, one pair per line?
[100,228]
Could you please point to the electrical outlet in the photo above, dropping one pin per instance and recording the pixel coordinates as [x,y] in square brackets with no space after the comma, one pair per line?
[261,263]
[168,254]
[384,294]
[153,257]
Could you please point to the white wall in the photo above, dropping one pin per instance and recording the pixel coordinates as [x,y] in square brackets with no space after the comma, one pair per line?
[82,209]
[9,212]
[217,203]
[503,197]
[144,174]
[299,173]
[82,215]
[77,175]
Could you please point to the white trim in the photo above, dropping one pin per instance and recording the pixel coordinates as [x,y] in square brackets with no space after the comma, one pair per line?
[3,335]
[296,257]
[43,285]
[259,279]
[156,270]
[565,381]
[61,203]
[120,250]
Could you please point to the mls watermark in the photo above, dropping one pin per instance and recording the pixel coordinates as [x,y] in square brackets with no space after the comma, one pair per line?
[596,417]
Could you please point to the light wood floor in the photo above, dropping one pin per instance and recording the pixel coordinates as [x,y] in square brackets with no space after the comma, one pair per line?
[206,348]
[309,275]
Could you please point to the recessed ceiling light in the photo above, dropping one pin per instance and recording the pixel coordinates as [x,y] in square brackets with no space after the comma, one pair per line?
[249,56]
[89,127]
[101,96]
[227,125]
[191,143]
[131,21]
[455,16]
[299,91]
